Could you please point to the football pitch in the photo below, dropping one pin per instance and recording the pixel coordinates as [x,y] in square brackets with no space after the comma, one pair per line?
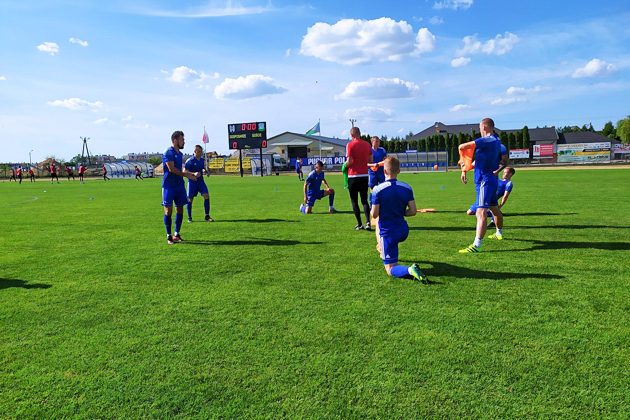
[271,313]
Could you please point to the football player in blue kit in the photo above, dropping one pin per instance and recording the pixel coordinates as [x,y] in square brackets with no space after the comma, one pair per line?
[313,192]
[173,188]
[503,192]
[392,201]
[378,155]
[487,162]
[195,164]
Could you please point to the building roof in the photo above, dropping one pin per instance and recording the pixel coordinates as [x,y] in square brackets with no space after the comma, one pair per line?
[545,133]
[331,140]
[585,137]
[440,128]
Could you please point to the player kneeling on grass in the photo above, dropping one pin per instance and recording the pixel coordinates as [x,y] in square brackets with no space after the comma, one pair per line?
[392,201]
[195,164]
[503,191]
[313,192]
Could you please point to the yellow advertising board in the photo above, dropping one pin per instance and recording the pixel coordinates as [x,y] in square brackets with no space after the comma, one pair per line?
[216,163]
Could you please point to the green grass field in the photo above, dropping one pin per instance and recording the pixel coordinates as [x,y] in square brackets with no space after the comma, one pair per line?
[271,313]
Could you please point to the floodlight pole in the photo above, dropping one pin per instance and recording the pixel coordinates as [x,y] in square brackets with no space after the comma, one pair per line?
[30,163]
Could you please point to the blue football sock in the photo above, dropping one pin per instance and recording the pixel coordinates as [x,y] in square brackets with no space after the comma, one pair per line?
[400,271]
[179,218]
[331,199]
[167,224]
[206,206]
[189,209]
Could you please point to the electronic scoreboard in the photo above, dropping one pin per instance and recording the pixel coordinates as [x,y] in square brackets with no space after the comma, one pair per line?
[247,135]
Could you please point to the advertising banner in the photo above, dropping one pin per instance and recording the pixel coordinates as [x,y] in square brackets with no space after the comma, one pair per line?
[584,152]
[337,160]
[622,148]
[519,153]
[543,150]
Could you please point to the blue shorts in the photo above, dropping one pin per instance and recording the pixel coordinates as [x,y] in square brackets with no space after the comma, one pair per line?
[487,193]
[311,196]
[196,187]
[177,194]
[389,244]
[376,178]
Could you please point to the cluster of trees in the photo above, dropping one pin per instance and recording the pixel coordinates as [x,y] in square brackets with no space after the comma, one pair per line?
[449,142]
[621,132]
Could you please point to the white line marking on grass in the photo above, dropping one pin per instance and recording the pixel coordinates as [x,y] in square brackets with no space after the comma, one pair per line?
[19,202]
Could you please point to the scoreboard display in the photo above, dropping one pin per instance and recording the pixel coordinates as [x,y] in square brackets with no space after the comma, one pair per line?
[247,135]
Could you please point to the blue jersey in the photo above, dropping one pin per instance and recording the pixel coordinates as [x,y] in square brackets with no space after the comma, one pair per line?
[504,152]
[504,186]
[195,165]
[378,155]
[314,181]
[170,180]
[392,196]
[488,156]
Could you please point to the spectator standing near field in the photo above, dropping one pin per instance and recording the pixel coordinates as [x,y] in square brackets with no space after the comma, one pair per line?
[195,165]
[105,177]
[488,156]
[358,154]
[19,173]
[31,174]
[392,201]
[70,173]
[81,173]
[53,173]
[173,188]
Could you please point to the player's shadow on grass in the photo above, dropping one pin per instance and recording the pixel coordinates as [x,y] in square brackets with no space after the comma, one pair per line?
[253,241]
[550,245]
[472,227]
[6,283]
[439,269]
[257,220]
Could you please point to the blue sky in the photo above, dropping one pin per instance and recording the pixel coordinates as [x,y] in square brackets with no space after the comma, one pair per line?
[127,74]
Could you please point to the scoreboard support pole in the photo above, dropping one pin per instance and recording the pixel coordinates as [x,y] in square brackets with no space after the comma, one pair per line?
[240,160]
[261,163]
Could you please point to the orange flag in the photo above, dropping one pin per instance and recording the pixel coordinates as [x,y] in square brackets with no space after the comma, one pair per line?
[466,157]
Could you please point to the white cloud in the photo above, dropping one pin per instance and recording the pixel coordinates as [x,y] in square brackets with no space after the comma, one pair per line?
[77,104]
[100,121]
[499,45]
[508,101]
[250,86]
[595,68]
[453,4]
[380,88]
[209,10]
[436,20]
[183,74]
[460,62]
[513,90]
[3,78]
[352,41]
[140,125]
[459,107]
[49,47]
[127,118]
[78,41]
[369,113]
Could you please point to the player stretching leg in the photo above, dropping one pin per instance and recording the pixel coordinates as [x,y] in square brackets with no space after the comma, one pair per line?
[195,165]
[313,192]
[173,188]
[392,201]
[503,191]
[488,150]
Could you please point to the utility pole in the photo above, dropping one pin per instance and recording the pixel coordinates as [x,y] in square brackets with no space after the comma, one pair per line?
[85,150]
[352,121]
